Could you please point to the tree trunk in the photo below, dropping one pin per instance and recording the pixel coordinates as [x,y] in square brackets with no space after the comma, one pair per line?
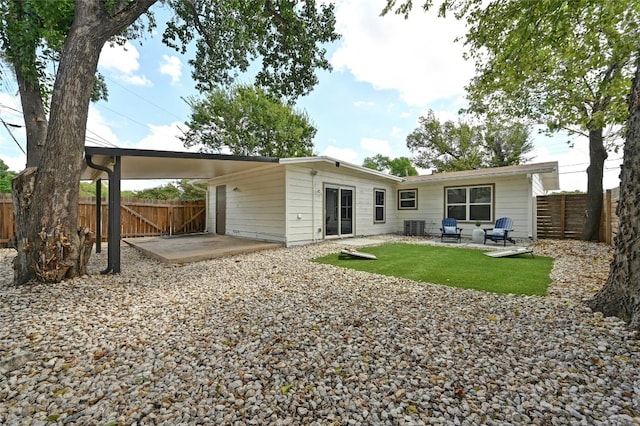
[35,117]
[620,295]
[45,197]
[595,173]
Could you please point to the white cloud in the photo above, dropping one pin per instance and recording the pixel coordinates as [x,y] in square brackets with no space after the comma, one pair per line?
[443,115]
[344,154]
[171,66]
[398,132]
[99,131]
[164,138]
[135,79]
[417,57]
[15,164]
[123,63]
[376,146]
[10,151]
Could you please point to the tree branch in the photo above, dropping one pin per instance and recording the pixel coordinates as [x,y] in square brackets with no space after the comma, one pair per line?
[106,23]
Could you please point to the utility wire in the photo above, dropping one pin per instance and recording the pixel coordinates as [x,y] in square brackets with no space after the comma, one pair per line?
[6,126]
[125,116]
[143,98]
[97,138]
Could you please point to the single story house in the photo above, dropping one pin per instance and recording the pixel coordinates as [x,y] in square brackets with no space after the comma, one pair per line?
[303,200]
[298,201]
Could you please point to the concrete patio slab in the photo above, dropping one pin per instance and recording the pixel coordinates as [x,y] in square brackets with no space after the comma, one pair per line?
[196,247]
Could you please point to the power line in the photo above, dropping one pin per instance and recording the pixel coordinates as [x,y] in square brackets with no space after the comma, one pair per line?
[6,126]
[143,98]
[101,139]
[12,109]
[606,170]
[125,116]
[586,163]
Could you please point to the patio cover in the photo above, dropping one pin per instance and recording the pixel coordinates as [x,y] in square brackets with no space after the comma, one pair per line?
[151,164]
[116,164]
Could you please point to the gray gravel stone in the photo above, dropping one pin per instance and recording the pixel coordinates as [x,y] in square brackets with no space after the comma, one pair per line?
[273,338]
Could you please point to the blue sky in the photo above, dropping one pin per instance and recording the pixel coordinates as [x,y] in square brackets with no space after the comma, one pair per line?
[387,72]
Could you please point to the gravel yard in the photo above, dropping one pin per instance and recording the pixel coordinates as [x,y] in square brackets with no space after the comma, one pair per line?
[272,338]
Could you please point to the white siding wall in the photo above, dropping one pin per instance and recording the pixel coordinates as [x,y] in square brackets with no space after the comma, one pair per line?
[256,209]
[305,202]
[512,198]
[285,203]
[536,185]
[430,207]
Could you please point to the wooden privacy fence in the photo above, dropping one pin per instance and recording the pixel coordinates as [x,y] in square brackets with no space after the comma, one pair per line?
[139,218]
[561,216]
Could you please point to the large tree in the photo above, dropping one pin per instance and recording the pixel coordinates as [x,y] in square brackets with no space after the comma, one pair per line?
[565,64]
[450,146]
[27,28]
[6,176]
[400,166]
[182,189]
[247,120]
[229,37]
[620,295]
[32,36]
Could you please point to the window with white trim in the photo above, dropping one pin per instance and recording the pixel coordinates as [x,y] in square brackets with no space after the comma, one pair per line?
[379,203]
[469,203]
[407,199]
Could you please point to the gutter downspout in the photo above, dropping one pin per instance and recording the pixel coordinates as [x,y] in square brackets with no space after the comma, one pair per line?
[113,237]
[99,215]
[313,205]
[532,213]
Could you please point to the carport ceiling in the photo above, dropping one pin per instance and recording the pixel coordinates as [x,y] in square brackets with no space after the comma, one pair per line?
[150,164]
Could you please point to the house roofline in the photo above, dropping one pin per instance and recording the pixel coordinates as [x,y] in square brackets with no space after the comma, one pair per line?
[550,167]
[339,163]
[131,152]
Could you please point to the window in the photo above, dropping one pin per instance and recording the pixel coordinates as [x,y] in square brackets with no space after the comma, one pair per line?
[470,203]
[408,199]
[379,205]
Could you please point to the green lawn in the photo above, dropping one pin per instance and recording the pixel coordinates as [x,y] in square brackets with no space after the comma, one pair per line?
[455,267]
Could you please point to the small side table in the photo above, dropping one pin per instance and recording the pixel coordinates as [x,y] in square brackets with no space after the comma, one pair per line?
[477,236]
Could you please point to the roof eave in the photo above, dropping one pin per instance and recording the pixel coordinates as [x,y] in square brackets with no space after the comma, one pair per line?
[339,163]
[549,170]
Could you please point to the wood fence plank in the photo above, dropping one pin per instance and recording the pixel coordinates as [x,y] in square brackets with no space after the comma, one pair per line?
[140,218]
[193,217]
[562,216]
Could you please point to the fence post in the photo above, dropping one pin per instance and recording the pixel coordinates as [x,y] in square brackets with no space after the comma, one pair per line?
[171,220]
[87,209]
[563,213]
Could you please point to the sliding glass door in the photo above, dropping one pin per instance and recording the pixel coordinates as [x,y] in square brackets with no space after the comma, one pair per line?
[338,208]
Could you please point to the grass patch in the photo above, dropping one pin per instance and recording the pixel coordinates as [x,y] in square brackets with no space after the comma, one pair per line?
[455,267]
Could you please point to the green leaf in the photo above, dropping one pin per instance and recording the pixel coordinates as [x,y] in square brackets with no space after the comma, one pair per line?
[53,417]
[248,121]
[285,389]
[451,146]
